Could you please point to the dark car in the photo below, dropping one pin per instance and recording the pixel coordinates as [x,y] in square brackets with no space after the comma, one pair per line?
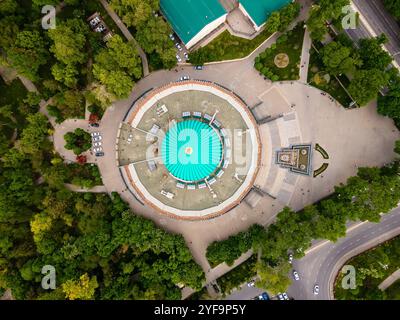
[96,125]
[99,154]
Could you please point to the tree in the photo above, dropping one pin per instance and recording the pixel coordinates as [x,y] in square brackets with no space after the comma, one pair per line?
[69,39]
[153,38]
[7,7]
[78,141]
[366,85]
[135,12]
[82,289]
[325,10]
[372,53]
[28,53]
[34,136]
[273,278]
[393,7]
[117,66]
[389,104]
[274,22]
[338,59]
[9,30]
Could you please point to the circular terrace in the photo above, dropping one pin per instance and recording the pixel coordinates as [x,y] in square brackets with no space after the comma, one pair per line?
[190,150]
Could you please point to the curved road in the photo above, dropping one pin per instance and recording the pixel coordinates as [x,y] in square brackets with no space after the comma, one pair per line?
[322,264]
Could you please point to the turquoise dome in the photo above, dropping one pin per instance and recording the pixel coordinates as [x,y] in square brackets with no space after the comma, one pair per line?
[191,150]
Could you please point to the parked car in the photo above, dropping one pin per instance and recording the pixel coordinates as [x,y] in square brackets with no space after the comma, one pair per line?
[178,58]
[198,67]
[186,55]
[263,296]
[290,258]
[171,36]
[97,144]
[316,289]
[252,283]
[99,149]
[285,296]
[99,154]
[178,46]
[95,124]
[97,138]
[280,296]
[296,275]
[95,134]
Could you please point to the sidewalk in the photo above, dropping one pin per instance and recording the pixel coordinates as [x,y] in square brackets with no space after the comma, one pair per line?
[305,57]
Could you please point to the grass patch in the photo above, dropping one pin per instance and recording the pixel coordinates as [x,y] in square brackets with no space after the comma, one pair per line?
[372,267]
[290,44]
[227,47]
[333,87]
[239,275]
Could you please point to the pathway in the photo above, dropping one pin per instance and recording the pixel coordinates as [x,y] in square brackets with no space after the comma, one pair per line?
[389,280]
[127,35]
[305,57]
[96,189]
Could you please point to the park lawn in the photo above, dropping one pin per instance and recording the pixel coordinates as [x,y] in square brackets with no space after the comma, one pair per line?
[229,47]
[238,276]
[290,43]
[382,260]
[333,87]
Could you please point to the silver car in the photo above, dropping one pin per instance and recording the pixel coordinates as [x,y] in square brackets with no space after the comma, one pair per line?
[97,138]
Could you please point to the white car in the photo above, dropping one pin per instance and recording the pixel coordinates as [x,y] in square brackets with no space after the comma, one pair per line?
[100,149]
[252,283]
[178,58]
[290,258]
[178,46]
[316,289]
[186,55]
[280,296]
[94,134]
[296,275]
[285,296]
[171,36]
[97,144]
[97,138]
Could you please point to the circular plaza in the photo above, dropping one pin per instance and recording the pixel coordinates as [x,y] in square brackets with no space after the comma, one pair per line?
[190,150]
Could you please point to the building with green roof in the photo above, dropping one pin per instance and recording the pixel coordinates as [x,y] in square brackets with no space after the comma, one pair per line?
[258,11]
[192,20]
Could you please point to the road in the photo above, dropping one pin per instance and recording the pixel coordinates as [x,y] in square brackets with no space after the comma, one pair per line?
[322,265]
[374,21]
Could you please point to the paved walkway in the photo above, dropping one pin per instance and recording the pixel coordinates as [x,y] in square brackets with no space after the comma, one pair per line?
[389,280]
[127,35]
[305,57]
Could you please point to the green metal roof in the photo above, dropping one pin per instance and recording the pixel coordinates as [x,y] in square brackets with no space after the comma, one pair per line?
[189,17]
[260,10]
[191,150]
